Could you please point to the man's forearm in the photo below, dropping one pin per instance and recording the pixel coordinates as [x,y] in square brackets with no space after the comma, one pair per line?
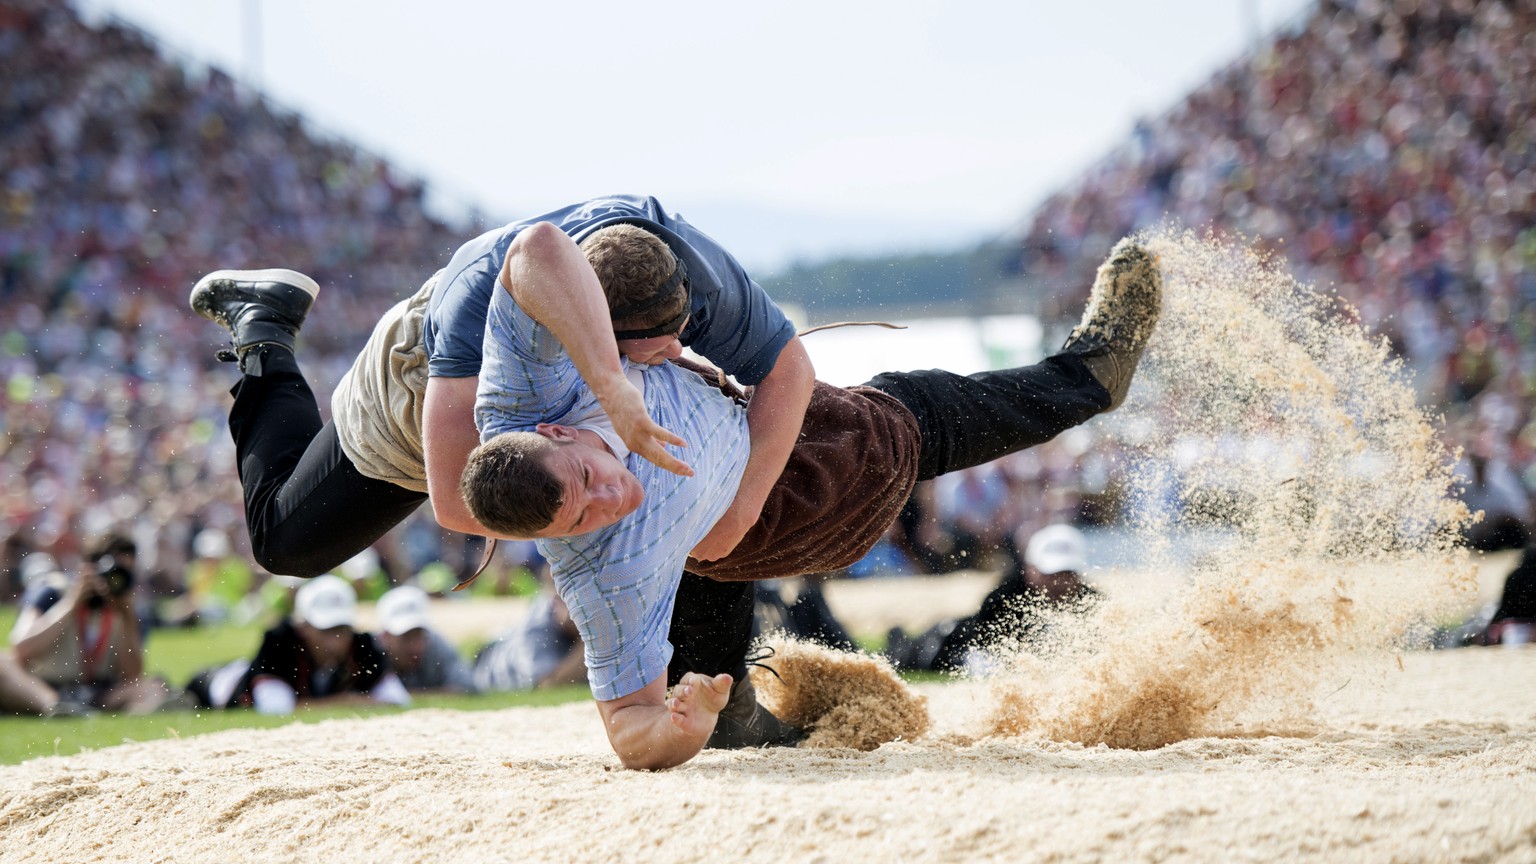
[550,278]
[652,728]
[43,631]
[774,418]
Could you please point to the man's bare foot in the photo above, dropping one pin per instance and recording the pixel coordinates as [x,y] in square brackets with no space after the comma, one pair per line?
[697,700]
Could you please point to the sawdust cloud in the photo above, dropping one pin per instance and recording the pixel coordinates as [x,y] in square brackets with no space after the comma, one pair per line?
[840,699]
[1270,425]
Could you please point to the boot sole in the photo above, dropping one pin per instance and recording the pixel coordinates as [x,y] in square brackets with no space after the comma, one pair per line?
[287,277]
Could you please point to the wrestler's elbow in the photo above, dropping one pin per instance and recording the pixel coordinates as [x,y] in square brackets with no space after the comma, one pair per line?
[534,247]
[453,519]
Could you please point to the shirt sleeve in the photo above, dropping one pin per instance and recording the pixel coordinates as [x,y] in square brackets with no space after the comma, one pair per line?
[735,324]
[41,596]
[527,378]
[456,319]
[622,606]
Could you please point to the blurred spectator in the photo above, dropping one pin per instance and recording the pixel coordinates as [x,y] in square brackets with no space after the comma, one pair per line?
[1493,489]
[978,512]
[217,586]
[544,650]
[919,536]
[1015,613]
[806,617]
[217,579]
[423,659]
[82,637]
[13,552]
[1514,621]
[37,567]
[1385,149]
[123,177]
[1511,621]
[314,657]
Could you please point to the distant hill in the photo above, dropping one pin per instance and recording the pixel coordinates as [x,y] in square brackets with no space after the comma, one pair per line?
[974,280]
[769,240]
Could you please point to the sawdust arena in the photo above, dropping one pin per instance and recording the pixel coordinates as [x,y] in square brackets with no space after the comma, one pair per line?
[1271,700]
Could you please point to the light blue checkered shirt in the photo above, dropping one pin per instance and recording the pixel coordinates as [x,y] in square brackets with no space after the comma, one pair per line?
[619,581]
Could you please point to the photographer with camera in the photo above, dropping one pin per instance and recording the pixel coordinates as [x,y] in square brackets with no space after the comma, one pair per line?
[82,637]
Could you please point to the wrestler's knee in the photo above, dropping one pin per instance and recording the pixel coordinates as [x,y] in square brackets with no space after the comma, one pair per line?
[284,559]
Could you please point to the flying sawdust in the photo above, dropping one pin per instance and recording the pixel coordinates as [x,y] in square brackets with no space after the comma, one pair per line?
[1265,418]
[840,699]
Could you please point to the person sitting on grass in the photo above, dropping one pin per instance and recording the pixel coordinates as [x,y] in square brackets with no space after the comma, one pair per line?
[542,650]
[424,660]
[316,657]
[1513,621]
[1055,559]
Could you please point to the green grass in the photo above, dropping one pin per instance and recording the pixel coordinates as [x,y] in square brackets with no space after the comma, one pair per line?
[177,654]
[23,738]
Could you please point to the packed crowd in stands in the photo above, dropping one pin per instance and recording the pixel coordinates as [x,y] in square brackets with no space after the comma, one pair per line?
[1385,147]
[124,177]
[1392,145]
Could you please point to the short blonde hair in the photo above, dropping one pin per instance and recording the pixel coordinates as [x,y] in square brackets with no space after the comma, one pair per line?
[631,264]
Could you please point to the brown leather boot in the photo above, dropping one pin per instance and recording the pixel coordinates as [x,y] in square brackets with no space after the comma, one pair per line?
[1121,315]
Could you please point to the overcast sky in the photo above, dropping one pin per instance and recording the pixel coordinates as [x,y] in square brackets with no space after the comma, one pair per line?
[790,130]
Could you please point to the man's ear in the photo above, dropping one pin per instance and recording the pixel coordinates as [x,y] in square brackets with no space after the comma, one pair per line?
[555,432]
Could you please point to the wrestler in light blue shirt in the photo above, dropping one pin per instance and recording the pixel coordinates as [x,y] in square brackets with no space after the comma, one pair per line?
[619,581]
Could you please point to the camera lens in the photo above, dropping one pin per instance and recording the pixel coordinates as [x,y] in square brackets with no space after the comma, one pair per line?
[119,579]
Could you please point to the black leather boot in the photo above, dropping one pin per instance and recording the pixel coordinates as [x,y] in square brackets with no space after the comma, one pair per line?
[257,307]
[744,723]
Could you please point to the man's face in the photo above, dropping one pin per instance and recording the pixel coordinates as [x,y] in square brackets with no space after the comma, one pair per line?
[406,650]
[655,350]
[1056,586]
[599,490]
[329,647]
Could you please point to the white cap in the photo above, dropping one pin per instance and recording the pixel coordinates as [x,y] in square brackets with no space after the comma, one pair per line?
[325,602]
[1057,549]
[37,565]
[402,610]
[210,543]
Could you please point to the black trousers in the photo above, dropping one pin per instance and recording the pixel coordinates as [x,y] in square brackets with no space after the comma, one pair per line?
[968,420]
[307,506]
[962,420]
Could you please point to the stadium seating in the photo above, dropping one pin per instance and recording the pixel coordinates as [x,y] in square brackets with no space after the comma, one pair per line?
[1385,146]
